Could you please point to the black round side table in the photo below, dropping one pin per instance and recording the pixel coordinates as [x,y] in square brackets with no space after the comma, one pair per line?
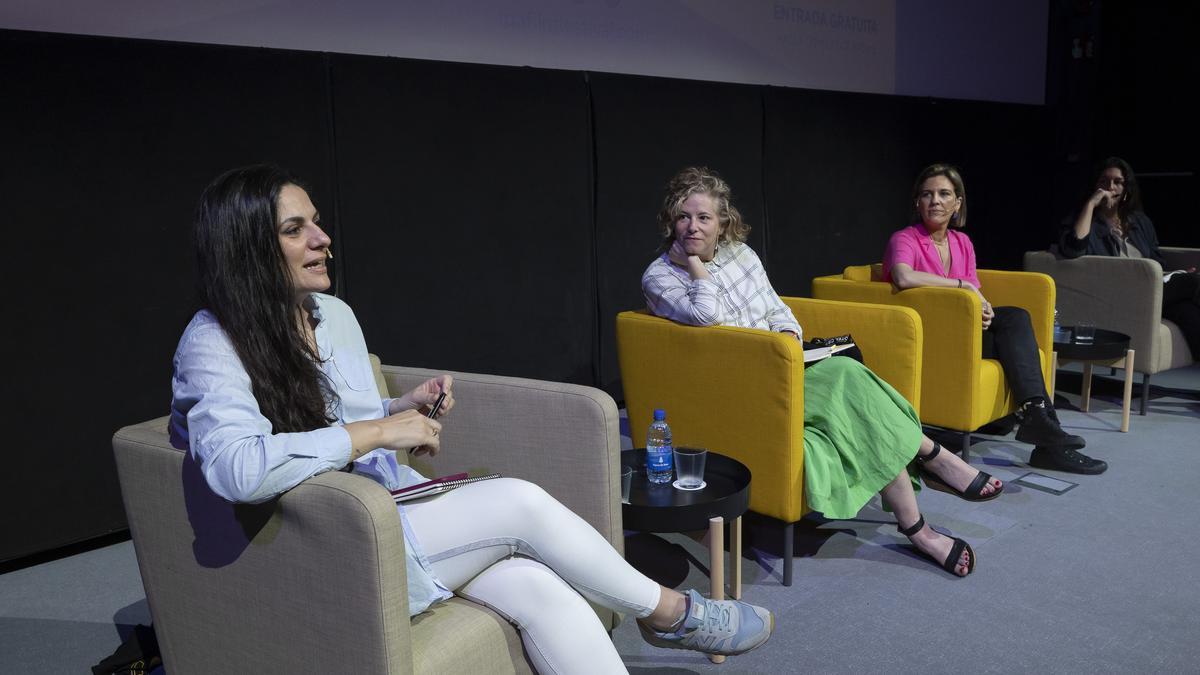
[1107,348]
[663,508]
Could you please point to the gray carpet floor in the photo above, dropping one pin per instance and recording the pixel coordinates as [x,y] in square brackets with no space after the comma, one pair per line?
[1100,579]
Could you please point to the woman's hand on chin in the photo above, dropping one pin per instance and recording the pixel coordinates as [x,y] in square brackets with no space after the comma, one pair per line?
[692,263]
[677,255]
[1100,196]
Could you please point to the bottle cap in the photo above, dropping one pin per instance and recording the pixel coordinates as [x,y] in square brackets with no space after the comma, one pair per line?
[660,415]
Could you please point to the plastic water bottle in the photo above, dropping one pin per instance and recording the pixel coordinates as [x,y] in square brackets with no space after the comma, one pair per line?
[659,460]
[1060,334]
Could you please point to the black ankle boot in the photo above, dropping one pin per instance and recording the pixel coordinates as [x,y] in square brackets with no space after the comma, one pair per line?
[1039,428]
[1065,459]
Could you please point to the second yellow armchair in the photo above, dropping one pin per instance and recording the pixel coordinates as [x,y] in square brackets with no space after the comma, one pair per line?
[740,391]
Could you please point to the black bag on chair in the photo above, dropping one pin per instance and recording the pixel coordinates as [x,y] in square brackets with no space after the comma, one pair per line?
[842,344]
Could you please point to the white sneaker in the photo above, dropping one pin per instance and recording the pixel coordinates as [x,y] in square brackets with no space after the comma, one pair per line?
[726,627]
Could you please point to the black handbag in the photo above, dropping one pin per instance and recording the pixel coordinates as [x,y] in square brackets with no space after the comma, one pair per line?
[844,344]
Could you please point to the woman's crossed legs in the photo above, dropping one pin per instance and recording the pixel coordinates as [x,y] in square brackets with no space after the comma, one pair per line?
[470,536]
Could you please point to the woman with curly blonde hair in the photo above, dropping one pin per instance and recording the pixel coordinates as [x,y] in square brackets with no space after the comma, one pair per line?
[706,276]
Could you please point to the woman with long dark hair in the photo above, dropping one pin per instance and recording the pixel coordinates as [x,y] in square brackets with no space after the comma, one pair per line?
[708,276]
[273,385]
[1112,223]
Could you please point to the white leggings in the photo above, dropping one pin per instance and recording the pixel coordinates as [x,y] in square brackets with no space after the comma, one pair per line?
[472,536]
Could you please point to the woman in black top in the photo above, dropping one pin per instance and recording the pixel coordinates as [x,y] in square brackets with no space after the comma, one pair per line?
[1112,223]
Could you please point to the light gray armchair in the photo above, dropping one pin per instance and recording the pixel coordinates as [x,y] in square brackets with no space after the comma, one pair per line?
[1124,295]
[314,581]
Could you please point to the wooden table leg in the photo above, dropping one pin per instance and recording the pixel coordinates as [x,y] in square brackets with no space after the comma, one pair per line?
[716,566]
[735,553]
[1053,374]
[1087,387]
[1125,402]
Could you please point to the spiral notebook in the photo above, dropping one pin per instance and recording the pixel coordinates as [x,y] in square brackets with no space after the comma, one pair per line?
[437,486]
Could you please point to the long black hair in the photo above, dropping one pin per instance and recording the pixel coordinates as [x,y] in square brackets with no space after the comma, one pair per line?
[245,282]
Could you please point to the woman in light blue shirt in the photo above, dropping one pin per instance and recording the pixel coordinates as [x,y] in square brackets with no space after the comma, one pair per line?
[273,385]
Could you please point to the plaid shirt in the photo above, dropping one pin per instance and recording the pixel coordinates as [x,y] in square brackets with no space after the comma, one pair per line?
[739,293]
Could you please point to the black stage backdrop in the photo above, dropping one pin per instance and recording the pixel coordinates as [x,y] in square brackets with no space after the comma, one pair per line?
[106,147]
[465,203]
[646,129]
[485,218]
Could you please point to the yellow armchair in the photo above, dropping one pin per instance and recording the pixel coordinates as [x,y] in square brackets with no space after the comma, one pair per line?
[960,389]
[740,391]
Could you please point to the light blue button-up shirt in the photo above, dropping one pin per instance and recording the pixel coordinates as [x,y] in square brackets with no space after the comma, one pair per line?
[215,417]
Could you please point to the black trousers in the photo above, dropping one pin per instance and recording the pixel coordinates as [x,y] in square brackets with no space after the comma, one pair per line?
[1181,305]
[1010,341]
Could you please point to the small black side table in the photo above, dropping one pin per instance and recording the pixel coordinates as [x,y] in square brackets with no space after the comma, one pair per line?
[1108,348]
[663,508]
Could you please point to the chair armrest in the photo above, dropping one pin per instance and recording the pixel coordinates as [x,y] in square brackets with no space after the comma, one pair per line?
[1179,258]
[1032,291]
[564,437]
[736,391]
[951,318]
[952,328]
[331,550]
[890,337]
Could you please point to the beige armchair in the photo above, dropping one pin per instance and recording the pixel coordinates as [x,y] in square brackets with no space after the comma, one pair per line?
[314,581]
[1124,295]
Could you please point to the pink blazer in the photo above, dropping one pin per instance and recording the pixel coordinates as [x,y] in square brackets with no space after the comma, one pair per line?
[913,247]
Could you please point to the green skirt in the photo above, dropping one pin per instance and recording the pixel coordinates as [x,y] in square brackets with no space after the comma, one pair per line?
[859,434]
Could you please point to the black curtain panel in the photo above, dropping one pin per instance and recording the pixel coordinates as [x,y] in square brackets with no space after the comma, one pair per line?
[465,198]
[646,129]
[106,147]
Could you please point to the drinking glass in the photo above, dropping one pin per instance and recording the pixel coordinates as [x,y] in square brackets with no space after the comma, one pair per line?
[689,468]
[1085,333]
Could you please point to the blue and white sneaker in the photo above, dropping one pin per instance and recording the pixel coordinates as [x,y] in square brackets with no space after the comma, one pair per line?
[726,627]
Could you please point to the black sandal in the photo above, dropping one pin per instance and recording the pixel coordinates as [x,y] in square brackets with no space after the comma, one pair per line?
[973,491]
[951,560]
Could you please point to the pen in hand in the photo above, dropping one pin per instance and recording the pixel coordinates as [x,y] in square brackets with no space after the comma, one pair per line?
[437,405]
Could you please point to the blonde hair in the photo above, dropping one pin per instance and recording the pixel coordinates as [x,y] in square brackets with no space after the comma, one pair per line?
[701,180]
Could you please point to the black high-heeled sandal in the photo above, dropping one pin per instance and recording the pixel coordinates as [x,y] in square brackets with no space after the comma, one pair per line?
[951,561]
[974,491]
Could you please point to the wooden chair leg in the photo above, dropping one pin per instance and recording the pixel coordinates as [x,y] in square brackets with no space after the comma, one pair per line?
[1085,394]
[1053,374]
[1129,358]
[789,539]
[966,447]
